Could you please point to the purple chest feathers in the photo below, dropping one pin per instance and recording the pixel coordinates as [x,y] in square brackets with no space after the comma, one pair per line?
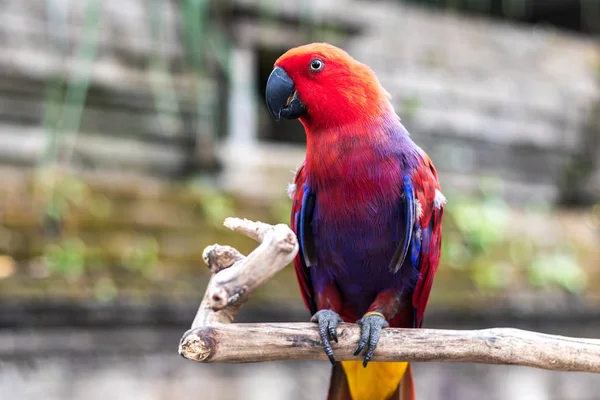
[357,225]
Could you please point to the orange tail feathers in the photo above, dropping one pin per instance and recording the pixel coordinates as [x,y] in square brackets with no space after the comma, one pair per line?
[379,381]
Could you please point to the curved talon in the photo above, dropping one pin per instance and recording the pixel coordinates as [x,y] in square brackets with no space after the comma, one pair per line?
[333,333]
[328,321]
[372,323]
[364,337]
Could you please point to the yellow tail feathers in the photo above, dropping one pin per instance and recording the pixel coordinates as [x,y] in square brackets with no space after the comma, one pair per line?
[376,382]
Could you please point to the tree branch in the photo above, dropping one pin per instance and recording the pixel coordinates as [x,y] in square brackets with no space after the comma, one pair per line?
[212,337]
[278,248]
[241,343]
[236,276]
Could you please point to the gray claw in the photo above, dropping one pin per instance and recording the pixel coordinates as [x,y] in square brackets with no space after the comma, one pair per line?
[370,333]
[328,321]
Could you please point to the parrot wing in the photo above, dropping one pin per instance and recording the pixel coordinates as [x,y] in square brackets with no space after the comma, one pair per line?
[426,239]
[303,206]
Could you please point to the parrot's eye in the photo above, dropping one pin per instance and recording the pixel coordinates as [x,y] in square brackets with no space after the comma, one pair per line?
[316,65]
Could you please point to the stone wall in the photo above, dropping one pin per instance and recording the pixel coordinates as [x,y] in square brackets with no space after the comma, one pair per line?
[141,110]
[486,98]
[168,376]
[141,234]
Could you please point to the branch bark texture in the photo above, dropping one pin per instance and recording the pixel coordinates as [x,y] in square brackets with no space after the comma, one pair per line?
[240,343]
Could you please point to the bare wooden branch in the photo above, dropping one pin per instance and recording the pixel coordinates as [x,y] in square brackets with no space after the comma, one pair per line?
[242,343]
[217,258]
[277,249]
[236,276]
[213,338]
[252,229]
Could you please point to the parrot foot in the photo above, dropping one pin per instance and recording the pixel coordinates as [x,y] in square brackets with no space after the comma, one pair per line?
[328,321]
[372,323]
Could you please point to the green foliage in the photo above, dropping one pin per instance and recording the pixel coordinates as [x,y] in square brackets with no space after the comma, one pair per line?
[217,207]
[64,194]
[558,267]
[142,256]
[70,259]
[281,210]
[67,258]
[105,290]
[480,241]
[214,204]
[66,95]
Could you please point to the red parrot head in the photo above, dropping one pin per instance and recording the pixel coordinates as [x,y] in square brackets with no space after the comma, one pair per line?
[323,86]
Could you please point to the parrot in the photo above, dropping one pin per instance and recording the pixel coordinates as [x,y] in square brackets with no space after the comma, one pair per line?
[367,211]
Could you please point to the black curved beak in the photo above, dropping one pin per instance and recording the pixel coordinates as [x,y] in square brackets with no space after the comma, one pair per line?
[282,98]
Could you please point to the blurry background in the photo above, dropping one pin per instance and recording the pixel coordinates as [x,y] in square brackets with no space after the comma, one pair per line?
[129,129]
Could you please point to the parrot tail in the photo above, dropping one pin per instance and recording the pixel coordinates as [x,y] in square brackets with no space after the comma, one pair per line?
[378,381]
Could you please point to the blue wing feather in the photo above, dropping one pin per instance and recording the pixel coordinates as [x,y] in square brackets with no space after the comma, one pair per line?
[301,219]
[410,217]
[305,234]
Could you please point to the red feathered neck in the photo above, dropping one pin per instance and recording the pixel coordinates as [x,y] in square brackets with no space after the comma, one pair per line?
[348,155]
